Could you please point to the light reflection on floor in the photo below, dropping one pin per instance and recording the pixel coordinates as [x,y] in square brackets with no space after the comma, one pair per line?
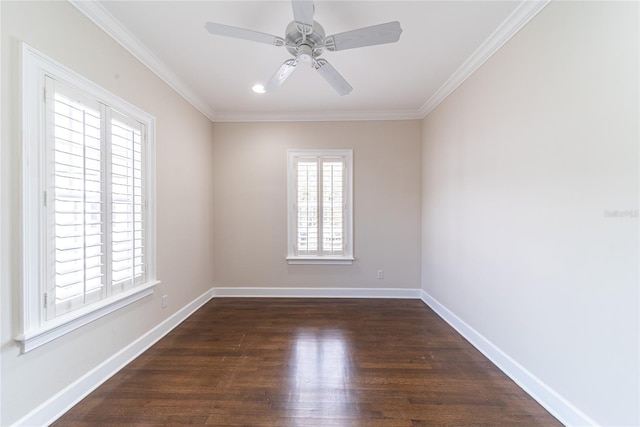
[320,369]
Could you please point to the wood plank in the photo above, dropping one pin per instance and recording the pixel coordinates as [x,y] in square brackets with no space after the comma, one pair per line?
[310,362]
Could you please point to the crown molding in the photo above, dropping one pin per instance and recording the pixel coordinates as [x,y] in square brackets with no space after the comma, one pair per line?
[327,116]
[105,21]
[525,11]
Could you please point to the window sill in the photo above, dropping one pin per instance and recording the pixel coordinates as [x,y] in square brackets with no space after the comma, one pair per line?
[320,260]
[58,327]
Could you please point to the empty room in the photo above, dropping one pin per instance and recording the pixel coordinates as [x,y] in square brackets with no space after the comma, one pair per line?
[319,213]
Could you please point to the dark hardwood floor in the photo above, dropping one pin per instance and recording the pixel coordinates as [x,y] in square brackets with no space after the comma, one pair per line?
[310,362]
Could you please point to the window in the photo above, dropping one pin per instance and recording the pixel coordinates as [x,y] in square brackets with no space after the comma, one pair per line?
[88,201]
[320,206]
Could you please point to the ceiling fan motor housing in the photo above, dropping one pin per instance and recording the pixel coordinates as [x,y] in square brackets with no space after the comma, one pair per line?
[304,47]
[305,40]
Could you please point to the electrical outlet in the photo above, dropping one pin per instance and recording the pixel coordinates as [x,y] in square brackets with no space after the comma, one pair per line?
[380,274]
[165,301]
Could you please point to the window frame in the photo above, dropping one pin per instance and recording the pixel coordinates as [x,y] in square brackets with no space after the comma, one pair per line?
[36,330]
[292,258]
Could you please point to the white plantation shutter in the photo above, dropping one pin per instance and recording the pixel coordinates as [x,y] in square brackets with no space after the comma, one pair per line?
[320,198]
[127,203]
[95,201]
[307,207]
[333,206]
[87,201]
[76,202]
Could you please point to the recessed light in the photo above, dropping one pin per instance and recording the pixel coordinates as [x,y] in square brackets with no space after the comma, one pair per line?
[258,88]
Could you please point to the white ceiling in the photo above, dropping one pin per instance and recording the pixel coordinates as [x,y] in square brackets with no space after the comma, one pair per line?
[441,44]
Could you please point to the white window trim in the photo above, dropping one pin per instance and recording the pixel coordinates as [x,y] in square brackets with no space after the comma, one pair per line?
[35,329]
[348,257]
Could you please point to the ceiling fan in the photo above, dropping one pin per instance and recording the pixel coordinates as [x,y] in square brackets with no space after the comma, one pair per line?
[305,40]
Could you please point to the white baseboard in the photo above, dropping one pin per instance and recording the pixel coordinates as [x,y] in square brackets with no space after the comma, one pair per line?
[551,400]
[249,292]
[56,406]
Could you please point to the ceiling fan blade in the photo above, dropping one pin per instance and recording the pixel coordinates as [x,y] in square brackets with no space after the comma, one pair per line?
[281,75]
[243,33]
[303,12]
[368,36]
[332,77]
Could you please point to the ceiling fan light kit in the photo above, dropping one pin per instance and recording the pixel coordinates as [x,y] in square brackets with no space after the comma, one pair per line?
[305,40]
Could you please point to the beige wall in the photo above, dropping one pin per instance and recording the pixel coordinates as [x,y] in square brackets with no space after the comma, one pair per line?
[250,196]
[184,200]
[523,167]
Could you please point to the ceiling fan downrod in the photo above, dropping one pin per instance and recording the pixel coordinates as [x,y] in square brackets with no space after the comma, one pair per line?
[305,40]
